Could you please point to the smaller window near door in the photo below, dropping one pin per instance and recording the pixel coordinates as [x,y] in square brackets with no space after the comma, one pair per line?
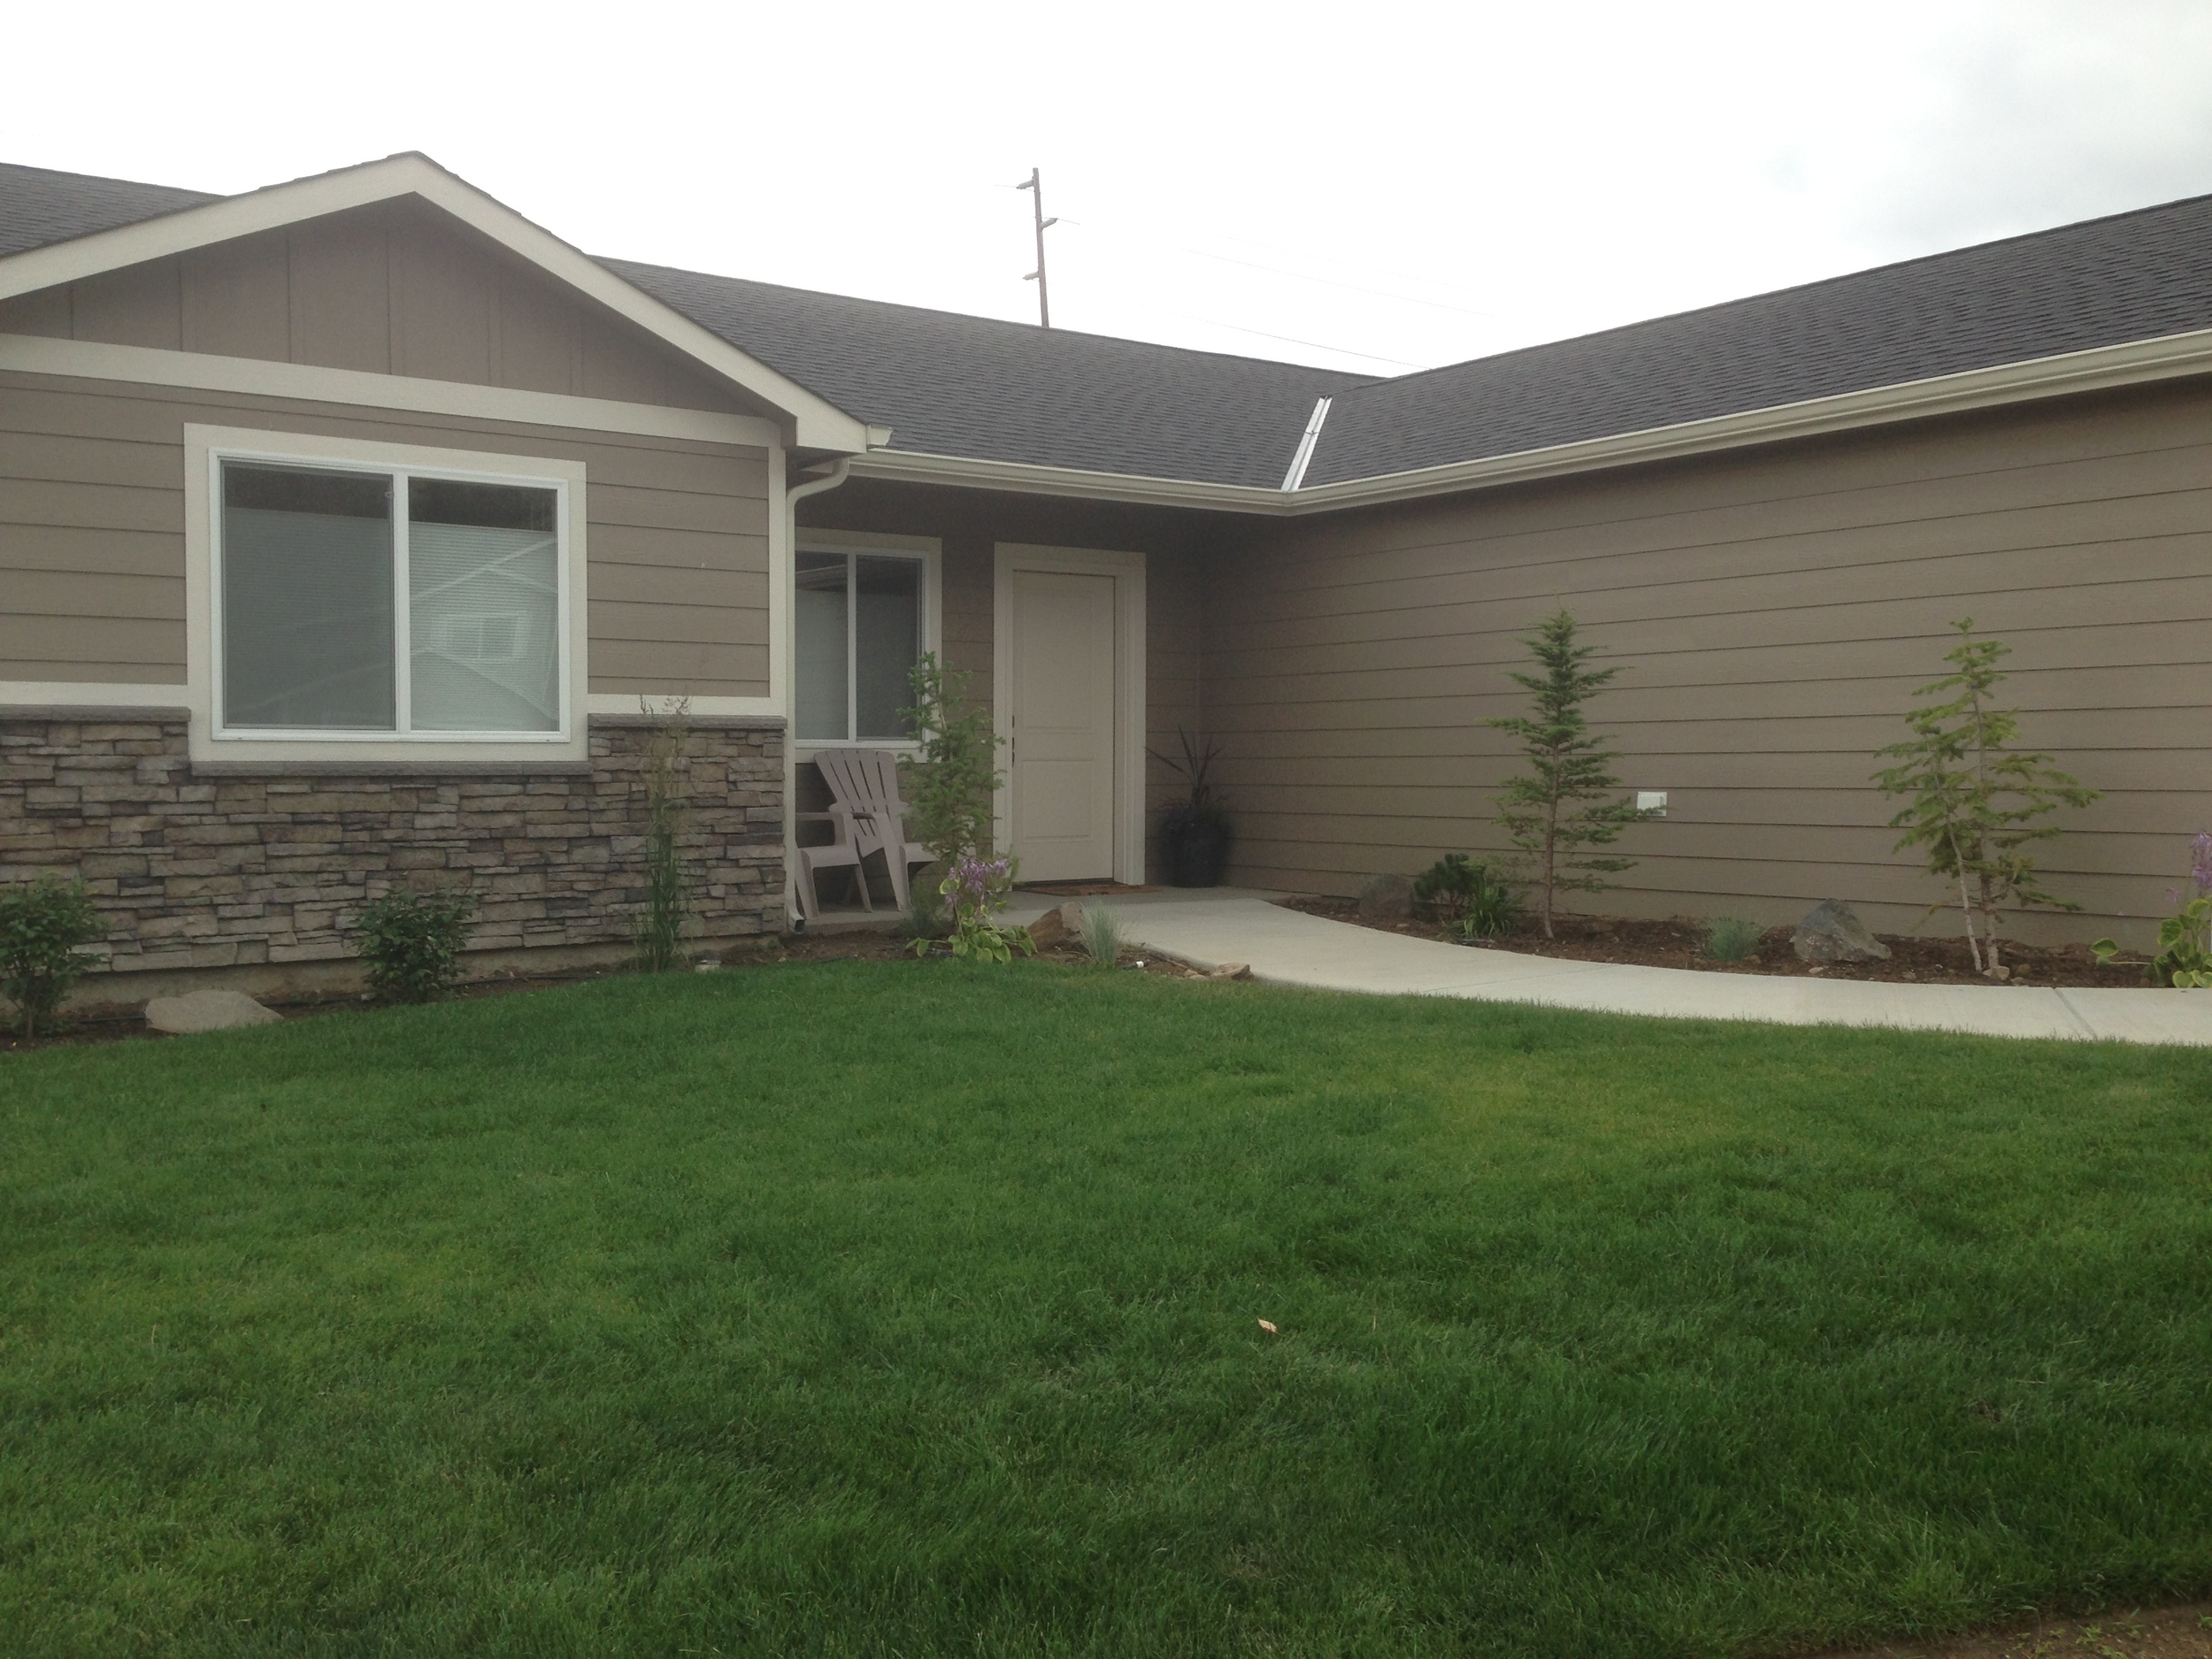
[859,627]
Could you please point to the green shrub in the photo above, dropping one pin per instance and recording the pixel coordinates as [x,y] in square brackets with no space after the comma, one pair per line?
[1731,938]
[1467,898]
[412,943]
[1440,892]
[42,924]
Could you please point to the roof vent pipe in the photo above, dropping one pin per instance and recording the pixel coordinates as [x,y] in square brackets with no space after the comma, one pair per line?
[1301,461]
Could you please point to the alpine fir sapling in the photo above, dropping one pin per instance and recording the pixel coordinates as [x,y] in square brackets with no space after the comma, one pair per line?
[1973,799]
[1550,832]
[950,784]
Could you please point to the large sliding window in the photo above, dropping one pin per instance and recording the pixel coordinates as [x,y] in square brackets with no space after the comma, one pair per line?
[860,622]
[390,602]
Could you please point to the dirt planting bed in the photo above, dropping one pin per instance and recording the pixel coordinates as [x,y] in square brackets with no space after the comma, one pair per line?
[1680,943]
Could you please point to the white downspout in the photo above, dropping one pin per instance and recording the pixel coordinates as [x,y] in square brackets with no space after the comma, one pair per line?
[793,495]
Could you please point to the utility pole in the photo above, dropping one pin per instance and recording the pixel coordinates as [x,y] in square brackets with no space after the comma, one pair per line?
[1035,185]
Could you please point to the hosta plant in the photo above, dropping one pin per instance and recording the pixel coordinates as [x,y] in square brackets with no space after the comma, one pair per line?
[975,890]
[2185,939]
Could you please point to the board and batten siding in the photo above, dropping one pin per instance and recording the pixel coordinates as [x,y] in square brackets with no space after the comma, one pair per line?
[92,559]
[394,288]
[1771,614]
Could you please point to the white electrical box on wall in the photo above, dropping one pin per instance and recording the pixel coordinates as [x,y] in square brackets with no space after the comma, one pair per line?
[1652,801]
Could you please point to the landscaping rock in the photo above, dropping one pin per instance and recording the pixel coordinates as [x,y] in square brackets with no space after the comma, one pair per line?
[1231,971]
[1833,933]
[207,1010]
[1049,929]
[1386,899]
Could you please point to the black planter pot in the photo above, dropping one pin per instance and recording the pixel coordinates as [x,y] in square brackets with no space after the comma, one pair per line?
[1196,853]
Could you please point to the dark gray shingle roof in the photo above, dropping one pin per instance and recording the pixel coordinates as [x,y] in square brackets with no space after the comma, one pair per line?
[2105,281]
[38,206]
[947,384]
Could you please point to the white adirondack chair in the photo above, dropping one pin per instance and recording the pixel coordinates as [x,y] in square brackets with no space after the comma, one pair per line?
[864,783]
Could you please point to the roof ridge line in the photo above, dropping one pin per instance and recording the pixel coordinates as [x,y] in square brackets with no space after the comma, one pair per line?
[1793,287]
[1353,378]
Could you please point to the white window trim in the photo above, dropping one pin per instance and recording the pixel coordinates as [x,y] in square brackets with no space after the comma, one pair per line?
[1128,572]
[206,448]
[928,551]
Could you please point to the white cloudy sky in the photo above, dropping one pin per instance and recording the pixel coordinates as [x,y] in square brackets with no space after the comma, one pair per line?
[1410,183]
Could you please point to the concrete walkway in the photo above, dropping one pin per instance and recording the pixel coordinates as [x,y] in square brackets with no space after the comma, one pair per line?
[1208,927]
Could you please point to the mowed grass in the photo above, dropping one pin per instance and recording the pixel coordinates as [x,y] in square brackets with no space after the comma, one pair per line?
[913,1310]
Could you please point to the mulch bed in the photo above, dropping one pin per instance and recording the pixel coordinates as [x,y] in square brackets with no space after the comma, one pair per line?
[123,1024]
[1680,943]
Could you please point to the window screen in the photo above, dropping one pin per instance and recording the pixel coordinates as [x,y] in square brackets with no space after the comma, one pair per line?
[823,681]
[483,607]
[307,598]
[887,643]
[859,635]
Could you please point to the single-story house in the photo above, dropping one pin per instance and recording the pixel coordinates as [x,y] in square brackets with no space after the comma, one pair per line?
[347,525]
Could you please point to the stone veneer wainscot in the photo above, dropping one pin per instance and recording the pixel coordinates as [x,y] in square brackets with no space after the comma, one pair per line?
[226,867]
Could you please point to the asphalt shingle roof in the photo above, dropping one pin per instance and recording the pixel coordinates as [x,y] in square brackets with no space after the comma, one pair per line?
[947,384]
[38,206]
[971,387]
[2105,281]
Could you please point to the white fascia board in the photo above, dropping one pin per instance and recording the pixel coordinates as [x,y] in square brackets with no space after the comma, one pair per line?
[818,424]
[361,389]
[914,466]
[2099,368]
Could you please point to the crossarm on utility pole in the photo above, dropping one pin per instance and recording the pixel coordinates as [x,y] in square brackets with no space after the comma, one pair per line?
[1035,185]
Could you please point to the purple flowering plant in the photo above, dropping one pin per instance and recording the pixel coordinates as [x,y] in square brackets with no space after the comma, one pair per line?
[2185,939]
[977,889]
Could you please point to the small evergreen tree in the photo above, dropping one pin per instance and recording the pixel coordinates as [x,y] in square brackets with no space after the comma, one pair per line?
[1539,810]
[1973,802]
[951,783]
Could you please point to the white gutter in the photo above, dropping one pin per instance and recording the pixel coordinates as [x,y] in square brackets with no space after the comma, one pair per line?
[1304,458]
[2101,368]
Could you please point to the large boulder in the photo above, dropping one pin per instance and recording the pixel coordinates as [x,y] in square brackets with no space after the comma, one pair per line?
[208,1010]
[1833,933]
[1386,899]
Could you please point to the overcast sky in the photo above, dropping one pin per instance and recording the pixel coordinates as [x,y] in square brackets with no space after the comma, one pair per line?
[1372,186]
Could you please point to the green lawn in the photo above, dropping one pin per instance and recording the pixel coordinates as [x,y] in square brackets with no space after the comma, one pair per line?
[913,1310]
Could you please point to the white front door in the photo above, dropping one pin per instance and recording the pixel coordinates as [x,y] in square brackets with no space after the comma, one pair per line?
[1062,726]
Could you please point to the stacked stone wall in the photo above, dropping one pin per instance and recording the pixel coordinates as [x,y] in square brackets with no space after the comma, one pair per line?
[205,869]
